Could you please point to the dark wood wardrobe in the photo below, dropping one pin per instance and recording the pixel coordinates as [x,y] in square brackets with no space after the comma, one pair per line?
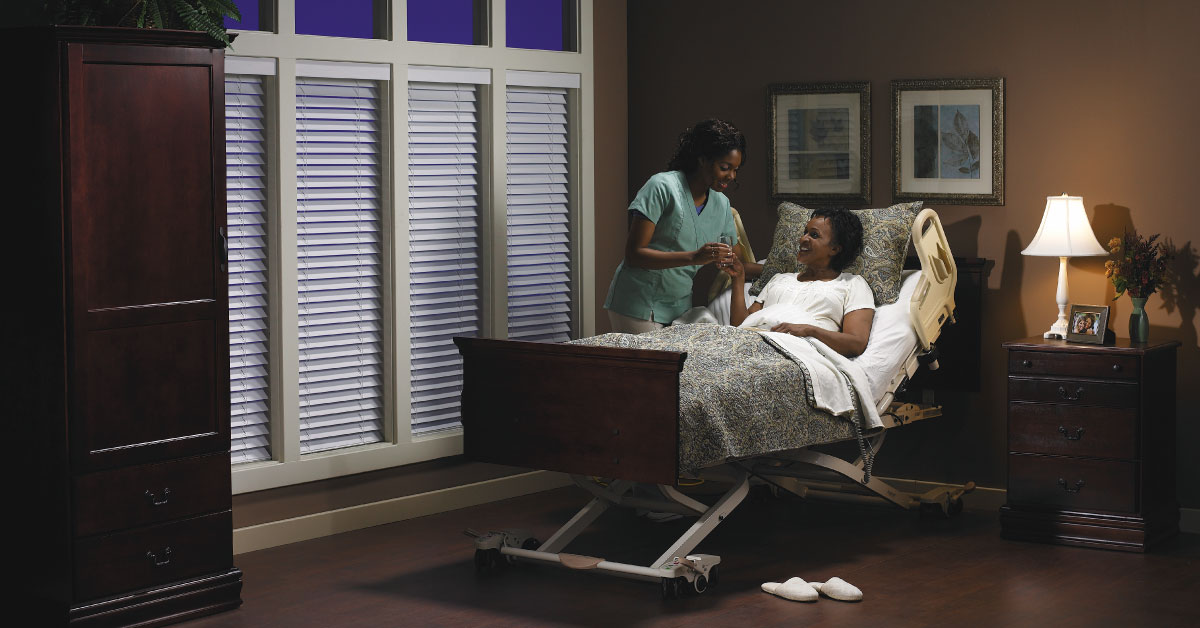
[119,350]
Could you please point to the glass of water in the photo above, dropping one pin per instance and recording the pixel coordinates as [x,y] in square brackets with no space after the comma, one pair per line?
[729,241]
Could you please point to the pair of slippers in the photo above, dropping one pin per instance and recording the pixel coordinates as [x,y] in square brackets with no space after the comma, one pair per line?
[798,590]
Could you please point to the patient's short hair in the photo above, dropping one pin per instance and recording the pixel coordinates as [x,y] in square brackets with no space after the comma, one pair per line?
[847,233]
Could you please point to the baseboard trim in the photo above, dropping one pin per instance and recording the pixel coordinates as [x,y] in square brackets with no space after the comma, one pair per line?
[262,536]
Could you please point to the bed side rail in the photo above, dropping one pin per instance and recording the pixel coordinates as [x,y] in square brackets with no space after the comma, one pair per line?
[932,303]
[601,411]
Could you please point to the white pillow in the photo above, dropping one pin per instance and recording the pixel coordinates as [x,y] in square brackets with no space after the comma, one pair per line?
[892,339]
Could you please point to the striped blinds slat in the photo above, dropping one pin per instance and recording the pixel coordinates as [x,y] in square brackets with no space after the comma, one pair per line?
[338,153]
[246,183]
[539,243]
[443,249]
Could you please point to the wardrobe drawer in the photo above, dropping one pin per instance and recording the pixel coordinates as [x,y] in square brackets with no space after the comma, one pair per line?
[1048,428]
[1073,365]
[151,493]
[1072,483]
[143,557]
[1073,392]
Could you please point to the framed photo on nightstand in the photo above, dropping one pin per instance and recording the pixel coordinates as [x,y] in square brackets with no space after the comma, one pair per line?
[1087,324]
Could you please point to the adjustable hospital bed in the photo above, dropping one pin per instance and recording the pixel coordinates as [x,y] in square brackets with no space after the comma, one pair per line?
[616,416]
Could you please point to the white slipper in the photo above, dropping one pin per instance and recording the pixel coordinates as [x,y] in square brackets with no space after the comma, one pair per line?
[838,589]
[794,589]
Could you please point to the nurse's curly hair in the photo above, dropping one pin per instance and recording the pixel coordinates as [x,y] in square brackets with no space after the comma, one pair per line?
[847,233]
[708,139]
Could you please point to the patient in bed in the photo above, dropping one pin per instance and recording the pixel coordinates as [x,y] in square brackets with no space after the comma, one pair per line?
[820,301]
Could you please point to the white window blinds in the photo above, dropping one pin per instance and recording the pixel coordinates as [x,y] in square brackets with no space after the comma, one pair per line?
[444,254]
[539,247]
[338,153]
[245,184]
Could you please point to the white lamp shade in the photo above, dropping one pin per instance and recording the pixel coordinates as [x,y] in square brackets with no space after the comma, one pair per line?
[1065,230]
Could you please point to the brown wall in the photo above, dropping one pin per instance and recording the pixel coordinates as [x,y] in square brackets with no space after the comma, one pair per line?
[1101,103]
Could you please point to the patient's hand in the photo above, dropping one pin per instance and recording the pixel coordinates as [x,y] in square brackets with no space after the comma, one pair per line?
[795,329]
[734,268]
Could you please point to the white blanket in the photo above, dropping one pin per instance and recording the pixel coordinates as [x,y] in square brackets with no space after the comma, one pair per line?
[832,375]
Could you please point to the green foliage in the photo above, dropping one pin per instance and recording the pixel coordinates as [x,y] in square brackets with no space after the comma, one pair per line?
[1139,266]
[206,16]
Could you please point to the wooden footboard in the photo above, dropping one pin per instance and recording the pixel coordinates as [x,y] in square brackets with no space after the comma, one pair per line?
[589,410]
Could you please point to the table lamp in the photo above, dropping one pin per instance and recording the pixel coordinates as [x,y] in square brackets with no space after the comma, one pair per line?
[1064,232]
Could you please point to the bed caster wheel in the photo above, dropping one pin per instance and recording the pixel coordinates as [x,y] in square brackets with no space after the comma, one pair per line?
[714,576]
[673,588]
[487,560]
[531,544]
[700,584]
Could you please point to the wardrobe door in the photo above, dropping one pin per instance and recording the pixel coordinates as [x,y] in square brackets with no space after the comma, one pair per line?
[146,218]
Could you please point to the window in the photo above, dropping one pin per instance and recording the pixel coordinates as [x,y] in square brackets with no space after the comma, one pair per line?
[256,16]
[447,21]
[538,220]
[443,241]
[387,195]
[362,19]
[246,202]
[541,24]
[339,250]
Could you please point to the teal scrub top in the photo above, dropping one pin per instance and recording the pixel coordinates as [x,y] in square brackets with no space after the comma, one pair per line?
[662,295]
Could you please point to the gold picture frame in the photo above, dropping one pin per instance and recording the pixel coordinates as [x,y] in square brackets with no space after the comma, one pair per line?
[820,142]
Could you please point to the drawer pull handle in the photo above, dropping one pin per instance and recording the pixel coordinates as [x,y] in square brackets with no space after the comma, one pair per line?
[1062,392]
[166,557]
[1027,363]
[1078,433]
[155,500]
[1116,368]
[1069,489]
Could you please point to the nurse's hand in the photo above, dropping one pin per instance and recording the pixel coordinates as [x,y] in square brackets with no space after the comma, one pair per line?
[712,253]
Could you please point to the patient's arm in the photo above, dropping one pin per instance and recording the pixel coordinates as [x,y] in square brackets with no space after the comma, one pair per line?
[737,293]
[850,342]
[753,269]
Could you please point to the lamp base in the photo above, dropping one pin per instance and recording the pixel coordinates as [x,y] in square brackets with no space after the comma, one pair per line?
[1058,329]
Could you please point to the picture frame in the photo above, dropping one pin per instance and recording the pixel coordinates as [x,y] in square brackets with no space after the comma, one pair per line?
[948,141]
[820,142]
[1087,324]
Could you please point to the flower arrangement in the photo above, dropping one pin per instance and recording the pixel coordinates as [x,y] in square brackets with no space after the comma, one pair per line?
[1140,267]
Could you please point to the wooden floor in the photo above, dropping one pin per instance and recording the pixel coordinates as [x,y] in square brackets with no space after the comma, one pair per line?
[913,572]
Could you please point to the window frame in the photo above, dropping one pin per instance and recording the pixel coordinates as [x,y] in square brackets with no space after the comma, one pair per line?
[286,49]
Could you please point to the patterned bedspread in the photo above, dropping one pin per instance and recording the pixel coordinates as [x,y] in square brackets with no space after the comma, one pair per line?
[739,396]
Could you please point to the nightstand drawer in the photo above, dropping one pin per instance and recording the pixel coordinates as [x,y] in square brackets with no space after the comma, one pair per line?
[1071,483]
[1072,365]
[152,493]
[1048,428]
[1073,392]
[144,557]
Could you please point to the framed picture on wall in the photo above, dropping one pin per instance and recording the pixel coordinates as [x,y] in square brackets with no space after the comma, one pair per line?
[1087,323]
[948,141]
[820,142]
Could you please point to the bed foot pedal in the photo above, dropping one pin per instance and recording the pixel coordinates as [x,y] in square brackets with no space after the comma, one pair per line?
[945,502]
[575,561]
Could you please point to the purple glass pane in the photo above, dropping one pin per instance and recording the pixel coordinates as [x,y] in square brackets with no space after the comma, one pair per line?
[340,18]
[442,21]
[249,11]
[535,24]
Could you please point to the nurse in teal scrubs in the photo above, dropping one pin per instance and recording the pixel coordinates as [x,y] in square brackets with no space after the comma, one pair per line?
[676,224]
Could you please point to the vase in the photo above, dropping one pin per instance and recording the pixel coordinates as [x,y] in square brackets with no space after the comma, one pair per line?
[1139,323]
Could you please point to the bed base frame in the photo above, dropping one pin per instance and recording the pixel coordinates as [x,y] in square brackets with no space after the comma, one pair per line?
[613,413]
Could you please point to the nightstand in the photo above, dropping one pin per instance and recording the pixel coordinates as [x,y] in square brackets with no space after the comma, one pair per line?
[1091,444]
